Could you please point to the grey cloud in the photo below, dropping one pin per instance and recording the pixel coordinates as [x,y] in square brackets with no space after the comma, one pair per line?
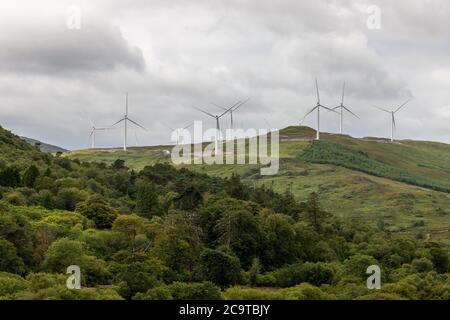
[50,48]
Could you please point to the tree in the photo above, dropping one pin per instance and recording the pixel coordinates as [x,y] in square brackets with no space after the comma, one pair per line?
[220,267]
[279,243]
[98,210]
[189,197]
[178,245]
[63,253]
[11,284]
[119,164]
[9,261]
[235,188]
[129,226]
[439,257]
[147,203]
[314,212]
[136,276]
[255,271]
[232,224]
[10,177]
[30,176]
[68,198]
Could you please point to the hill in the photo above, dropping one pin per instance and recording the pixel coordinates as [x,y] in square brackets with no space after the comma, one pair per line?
[173,233]
[44,147]
[17,152]
[403,186]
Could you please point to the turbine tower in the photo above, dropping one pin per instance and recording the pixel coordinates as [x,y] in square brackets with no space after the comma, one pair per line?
[342,109]
[392,113]
[93,130]
[318,106]
[125,119]
[232,109]
[217,117]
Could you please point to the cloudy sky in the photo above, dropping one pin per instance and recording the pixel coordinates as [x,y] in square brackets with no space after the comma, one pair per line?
[172,55]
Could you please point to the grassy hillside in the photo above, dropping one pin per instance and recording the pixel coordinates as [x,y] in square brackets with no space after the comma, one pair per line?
[402,186]
[16,151]
[172,233]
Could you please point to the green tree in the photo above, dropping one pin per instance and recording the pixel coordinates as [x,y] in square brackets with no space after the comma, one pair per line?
[119,164]
[68,198]
[30,176]
[440,259]
[98,210]
[255,271]
[314,212]
[63,253]
[219,267]
[129,227]
[10,177]
[9,261]
[147,202]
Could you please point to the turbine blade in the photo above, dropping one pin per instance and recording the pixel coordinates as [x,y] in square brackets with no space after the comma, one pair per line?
[312,110]
[220,107]
[393,121]
[343,93]
[241,104]
[118,122]
[189,125]
[267,123]
[137,124]
[348,110]
[205,112]
[402,105]
[328,109]
[382,109]
[168,127]
[317,90]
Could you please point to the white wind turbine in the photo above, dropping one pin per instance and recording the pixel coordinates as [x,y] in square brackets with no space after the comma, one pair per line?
[318,106]
[217,117]
[232,109]
[179,130]
[126,119]
[94,129]
[342,109]
[392,113]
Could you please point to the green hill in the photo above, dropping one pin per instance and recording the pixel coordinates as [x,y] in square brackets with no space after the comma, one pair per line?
[16,151]
[173,233]
[403,186]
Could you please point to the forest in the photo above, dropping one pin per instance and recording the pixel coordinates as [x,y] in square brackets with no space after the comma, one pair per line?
[171,233]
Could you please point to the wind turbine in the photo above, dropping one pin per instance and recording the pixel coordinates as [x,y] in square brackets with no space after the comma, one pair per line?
[232,109]
[126,119]
[342,109]
[93,130]
[178,130]
[392,113]
[318,106]
[217,117]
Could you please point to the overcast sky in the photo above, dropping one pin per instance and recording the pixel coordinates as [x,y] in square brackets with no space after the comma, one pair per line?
[172,55]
